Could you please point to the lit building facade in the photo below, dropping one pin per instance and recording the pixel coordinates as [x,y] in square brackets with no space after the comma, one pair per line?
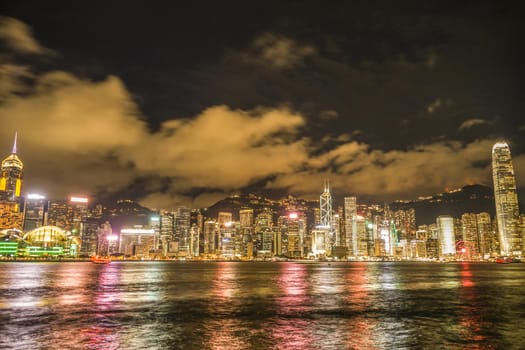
[246,218]
[137,241]
[228,238]
[35,207]
[167,230]
[506,198]
[471,236]
[446,235]
[10,215]
[295,234]
[362,236]
[224,217]
[350,217]
[182,230]
[210,237]
[68,215]
[487,236]
[11,173]
[89,237]
[11,176]
[325,206]
[322,238]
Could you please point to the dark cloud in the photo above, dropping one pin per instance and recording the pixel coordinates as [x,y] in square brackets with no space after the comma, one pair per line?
[384,100]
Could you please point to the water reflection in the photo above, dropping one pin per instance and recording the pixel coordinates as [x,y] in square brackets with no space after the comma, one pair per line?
[102,330]
[221,329]
[362,328]
[471,324]
[291,327]
[261,306]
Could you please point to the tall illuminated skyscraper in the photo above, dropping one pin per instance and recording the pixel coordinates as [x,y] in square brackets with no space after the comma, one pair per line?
[350,217]
[506,197]
[11,176]
[11,215]
[325,201]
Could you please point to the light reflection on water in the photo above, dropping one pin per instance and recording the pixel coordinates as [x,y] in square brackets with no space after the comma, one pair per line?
[227,305]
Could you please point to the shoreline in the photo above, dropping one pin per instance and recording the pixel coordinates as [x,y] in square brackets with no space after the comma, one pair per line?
[300,261]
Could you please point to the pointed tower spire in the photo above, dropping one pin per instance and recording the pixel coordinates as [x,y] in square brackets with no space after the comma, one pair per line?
[14,143]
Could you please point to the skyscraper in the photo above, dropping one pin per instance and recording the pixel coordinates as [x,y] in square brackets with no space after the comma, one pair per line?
[35,207]
[10,189]
[471,235]
[182,229]
[11,176]
[325,201]
[447,245]
[350,216]
[505,195]
[325,231]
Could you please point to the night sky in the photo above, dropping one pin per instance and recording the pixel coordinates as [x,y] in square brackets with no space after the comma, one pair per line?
[185,104]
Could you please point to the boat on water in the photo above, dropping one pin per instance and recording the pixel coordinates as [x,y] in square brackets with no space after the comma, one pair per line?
[506,260]
[100,260]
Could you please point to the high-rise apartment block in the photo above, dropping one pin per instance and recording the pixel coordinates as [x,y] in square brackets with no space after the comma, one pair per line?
[446,235]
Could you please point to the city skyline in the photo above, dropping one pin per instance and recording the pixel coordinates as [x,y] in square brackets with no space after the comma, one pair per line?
[289,228]
[387,102]
[12,190]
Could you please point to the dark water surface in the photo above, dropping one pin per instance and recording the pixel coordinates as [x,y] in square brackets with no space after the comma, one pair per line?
[229,305]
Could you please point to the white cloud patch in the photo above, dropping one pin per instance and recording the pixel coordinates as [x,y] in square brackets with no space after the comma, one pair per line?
[18,36]
[470,123]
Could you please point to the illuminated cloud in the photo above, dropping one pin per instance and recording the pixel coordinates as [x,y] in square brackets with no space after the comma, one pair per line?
[470,123]
[70,132]
[18,36]
[67,113]
[82,136]
[88,136]
[10,79]
[224,148]
[354,168]
[279,51]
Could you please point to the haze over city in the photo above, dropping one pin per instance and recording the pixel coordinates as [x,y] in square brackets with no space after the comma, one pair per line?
[186,105]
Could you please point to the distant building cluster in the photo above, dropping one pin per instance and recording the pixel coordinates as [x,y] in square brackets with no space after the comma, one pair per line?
[34,226]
